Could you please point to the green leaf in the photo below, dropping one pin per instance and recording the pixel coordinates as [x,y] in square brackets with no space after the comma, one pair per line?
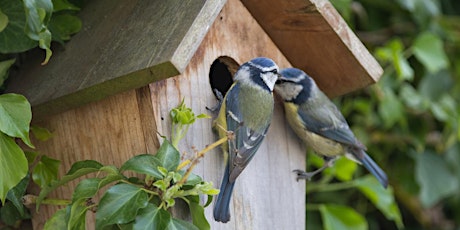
[337,217]
[57,221]
[59,5]
[13,165]
[152,217]
[3,21]
[40,133]
[120,205]
[434,85]
[4,69]
[78,169]
[198,217]
[31,156]
[428,48]
[77,216]
[412,98]
[38,14]
[87,188]
[434,177]
[382,198]
[391,109]
[45,171]
[168,155]
[344,169]
[9,215]
[13,38]
[177,224]
[393,52]
[15,116]
[15,194]
[63,26]
[145,164]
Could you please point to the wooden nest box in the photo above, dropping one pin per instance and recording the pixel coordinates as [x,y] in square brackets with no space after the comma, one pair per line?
[108,94]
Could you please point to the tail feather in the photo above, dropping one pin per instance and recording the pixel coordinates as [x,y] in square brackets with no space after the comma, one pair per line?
[373,168]
[222,206]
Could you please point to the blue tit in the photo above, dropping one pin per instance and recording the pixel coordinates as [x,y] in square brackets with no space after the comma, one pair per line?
[318,122]
[246,110]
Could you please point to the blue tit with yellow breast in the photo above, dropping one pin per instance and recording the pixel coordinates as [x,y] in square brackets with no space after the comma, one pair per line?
[318,122]
[246,110]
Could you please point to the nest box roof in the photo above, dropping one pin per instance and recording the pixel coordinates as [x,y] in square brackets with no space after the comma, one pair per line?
[117,50]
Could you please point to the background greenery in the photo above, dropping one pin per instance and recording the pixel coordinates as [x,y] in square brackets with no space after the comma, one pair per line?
[409,121]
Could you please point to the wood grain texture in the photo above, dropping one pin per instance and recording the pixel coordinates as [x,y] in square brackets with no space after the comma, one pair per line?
[109,131]
[266,195]
[123,45]
[314,37]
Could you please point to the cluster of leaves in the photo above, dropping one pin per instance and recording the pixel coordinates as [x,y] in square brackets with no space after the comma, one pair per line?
[409,120]
[15,117]
[129,202]
[27,24]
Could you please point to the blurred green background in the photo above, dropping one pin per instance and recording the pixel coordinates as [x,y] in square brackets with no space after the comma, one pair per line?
[409,121]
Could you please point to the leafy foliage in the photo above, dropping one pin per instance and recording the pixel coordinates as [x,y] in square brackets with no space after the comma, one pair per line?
[131,202]
[408,120]
[30,23]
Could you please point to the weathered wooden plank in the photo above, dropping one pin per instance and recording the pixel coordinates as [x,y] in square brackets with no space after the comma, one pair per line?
[123,45]
[266,195]
[314,37]
[109,131]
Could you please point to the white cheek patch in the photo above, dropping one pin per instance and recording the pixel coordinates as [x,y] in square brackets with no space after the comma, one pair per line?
[289,91]
[269,78]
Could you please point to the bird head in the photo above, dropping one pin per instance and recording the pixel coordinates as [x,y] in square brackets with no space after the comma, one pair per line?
[295,86]
[259,72]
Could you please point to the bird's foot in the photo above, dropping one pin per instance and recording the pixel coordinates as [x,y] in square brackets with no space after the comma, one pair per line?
[329,162]
[302,175]
[220,99]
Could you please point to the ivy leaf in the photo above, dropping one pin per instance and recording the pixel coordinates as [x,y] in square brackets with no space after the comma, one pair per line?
[393,52]
[31,156]
[3,21]
[77,215]
[40,133]
[429,50]
[45,171]
[15,194]
[9,215]
[152,217]
[13,38]
[177,224]
[198,217]
[382,198]
[63,5]
[57,221]
[38,14]
[344,169]
[15,116]
[168,155]
[434,177]
[391,109]
[63,26]
[4,69]
[338,217]
[145,164]
[78,169]
[120,205]
[13,165]
[87,188]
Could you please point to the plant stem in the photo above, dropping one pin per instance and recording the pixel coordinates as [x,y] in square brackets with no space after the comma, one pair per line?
[31,199]
[199,155]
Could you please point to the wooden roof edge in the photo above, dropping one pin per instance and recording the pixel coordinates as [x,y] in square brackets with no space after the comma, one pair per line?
[352,41]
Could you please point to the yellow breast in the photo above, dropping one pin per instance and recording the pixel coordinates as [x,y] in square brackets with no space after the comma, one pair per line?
[321,145]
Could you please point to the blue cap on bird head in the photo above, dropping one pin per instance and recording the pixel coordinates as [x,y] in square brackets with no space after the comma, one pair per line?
[264,64]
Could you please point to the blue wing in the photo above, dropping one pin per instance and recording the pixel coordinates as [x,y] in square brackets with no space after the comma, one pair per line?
[322,117]
[243,148]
